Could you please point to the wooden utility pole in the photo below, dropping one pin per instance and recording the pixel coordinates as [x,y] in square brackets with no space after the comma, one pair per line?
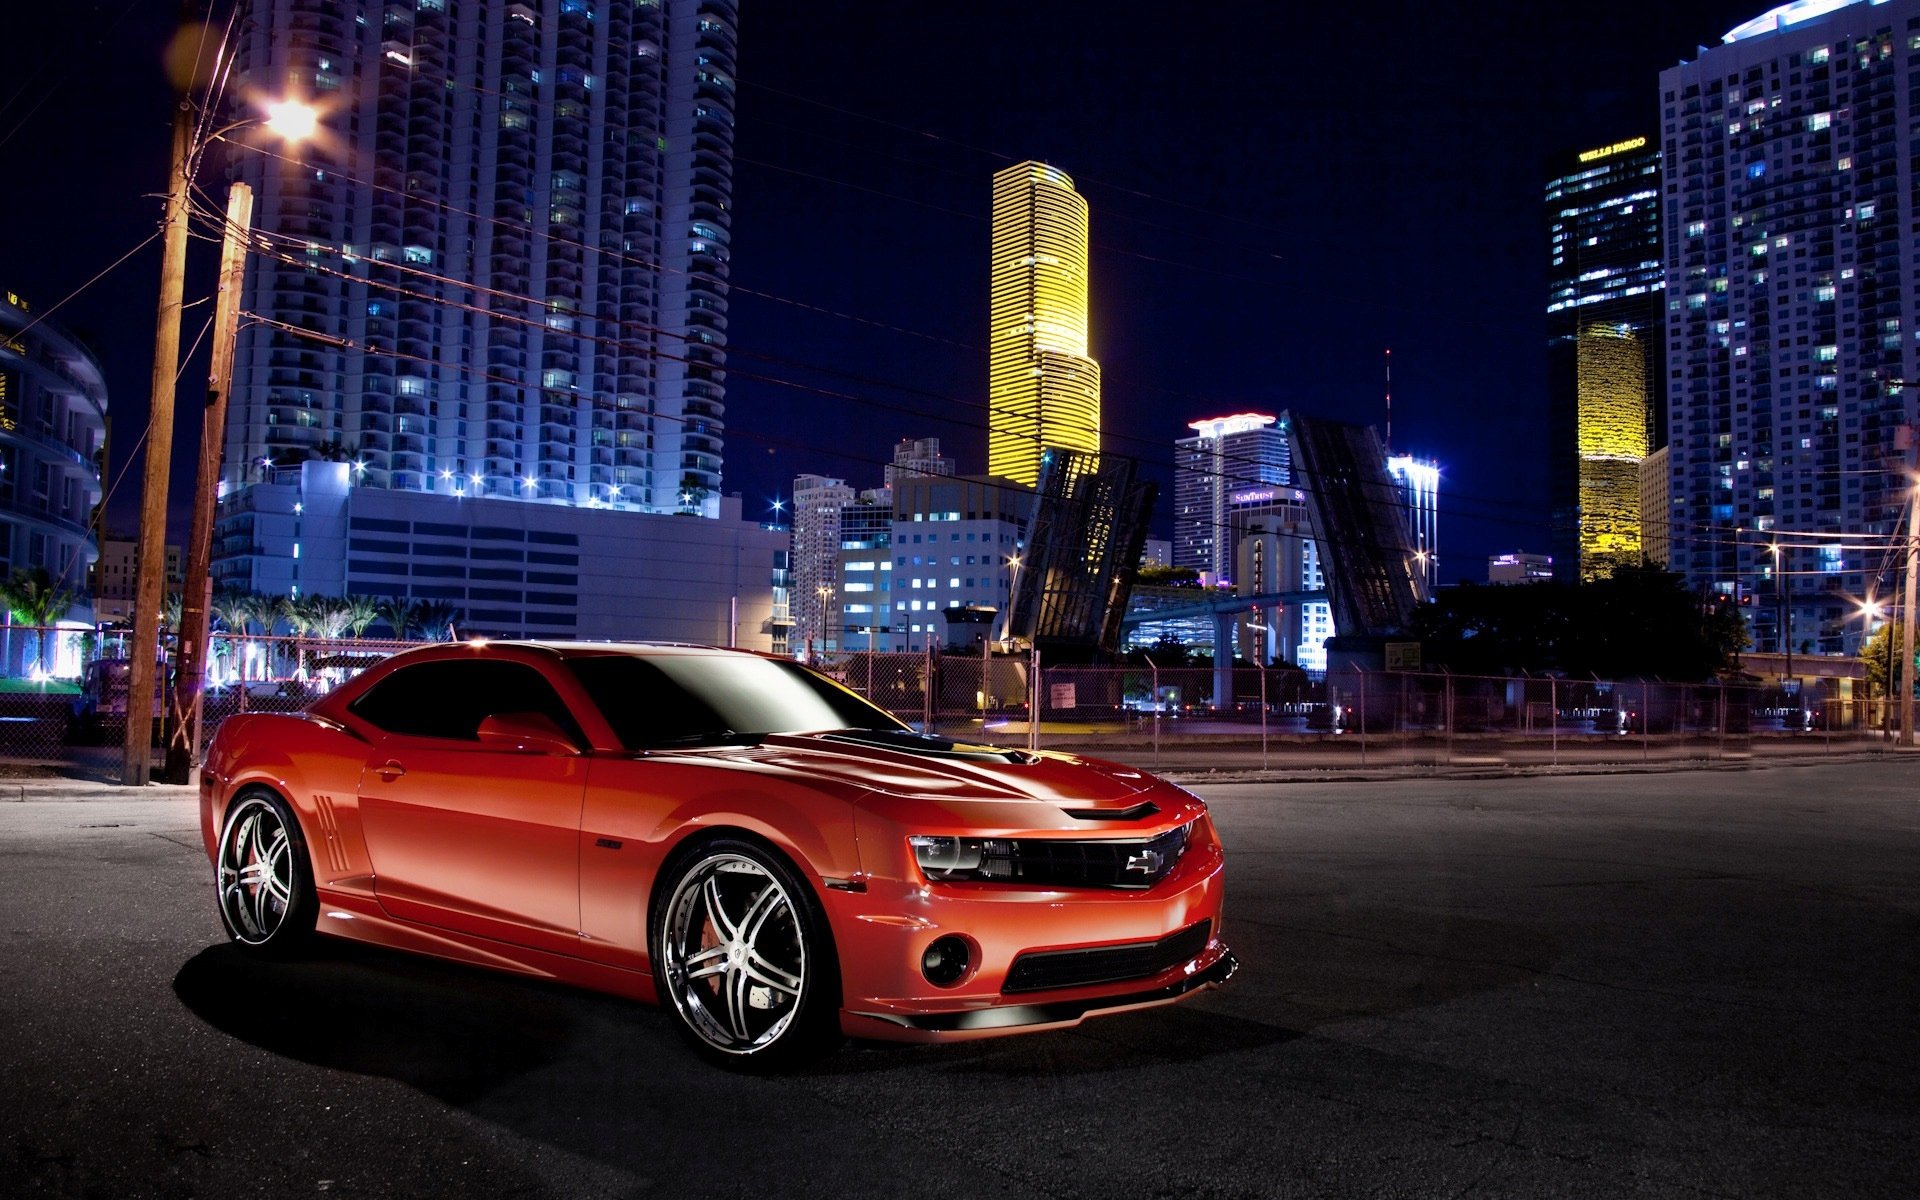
[183,747]
[150,558]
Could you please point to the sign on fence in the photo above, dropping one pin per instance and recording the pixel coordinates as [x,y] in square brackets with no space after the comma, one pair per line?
[1061,695]
[1403,656]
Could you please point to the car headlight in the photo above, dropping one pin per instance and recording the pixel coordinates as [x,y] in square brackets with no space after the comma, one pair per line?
[964,857]
[1052,862]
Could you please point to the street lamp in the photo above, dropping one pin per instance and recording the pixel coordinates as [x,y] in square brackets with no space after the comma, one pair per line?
[1783,619]
[284,118]
[1872,610]
[1911,595]
[821,593]
[1013,593]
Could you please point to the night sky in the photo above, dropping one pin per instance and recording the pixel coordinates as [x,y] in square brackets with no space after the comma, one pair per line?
[1278,194]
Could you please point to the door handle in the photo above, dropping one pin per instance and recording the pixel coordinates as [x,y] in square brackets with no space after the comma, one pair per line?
[389,771]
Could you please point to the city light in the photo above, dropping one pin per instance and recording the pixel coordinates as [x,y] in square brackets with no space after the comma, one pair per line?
[292,120]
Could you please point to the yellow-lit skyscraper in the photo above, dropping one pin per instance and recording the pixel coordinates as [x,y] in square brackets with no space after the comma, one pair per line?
[1612,439]
[1044,389]
[1606,352]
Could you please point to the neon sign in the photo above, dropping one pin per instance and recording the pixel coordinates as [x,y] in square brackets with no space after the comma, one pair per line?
[1616,148]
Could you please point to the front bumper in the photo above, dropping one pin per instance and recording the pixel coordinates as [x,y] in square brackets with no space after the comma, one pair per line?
[1075,934]
[1023,1018]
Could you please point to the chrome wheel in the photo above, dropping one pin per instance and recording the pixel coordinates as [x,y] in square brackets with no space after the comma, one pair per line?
[733,946]
[258,872]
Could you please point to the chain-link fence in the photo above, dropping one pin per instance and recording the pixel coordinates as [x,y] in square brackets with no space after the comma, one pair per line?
[63,692]
[1265,716]
[63,700]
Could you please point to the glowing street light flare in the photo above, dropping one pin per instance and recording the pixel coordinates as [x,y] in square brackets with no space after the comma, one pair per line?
[292,120]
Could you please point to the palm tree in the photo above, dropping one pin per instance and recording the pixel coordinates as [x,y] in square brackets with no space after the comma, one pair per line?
[232,608]
[362,611]
[299,615]
[34,600]
[331,616]
[397,612]
[229,608]
[244,610]
[257,608]
[435,619]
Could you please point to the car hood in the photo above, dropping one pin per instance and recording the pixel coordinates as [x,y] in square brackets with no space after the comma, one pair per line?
[907,765]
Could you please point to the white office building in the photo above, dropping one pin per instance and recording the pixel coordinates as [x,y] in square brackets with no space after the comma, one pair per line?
[507,569]
[499,271]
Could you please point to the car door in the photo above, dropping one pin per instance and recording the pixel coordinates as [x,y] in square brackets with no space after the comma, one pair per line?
[464,836]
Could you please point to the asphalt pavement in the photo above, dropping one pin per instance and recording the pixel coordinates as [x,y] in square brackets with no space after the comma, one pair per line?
[1683,984]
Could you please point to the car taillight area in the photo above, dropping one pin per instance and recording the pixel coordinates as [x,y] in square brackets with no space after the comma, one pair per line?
[1053,862]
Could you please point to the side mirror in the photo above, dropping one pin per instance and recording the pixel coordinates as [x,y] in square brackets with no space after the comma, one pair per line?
[528,732]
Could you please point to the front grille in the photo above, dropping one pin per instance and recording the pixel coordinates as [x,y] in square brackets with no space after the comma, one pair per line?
[1077,863]
[1038,971]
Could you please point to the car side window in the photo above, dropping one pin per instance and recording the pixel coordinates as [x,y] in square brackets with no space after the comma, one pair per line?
[449,699]
[642,703]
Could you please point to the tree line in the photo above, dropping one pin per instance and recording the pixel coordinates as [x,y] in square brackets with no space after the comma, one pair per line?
[36,600]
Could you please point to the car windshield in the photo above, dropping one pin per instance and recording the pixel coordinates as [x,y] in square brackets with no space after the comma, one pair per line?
[714,699]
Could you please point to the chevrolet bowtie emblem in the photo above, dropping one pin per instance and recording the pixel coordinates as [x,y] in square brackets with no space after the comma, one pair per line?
[1147,862]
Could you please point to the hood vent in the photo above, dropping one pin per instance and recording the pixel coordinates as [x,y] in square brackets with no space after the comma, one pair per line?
[1146,808]
[908,742]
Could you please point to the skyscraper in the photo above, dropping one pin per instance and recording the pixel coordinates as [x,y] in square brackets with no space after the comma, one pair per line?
[511,238]
[818,502]
[53,434]
[1229,462]
[1044,389]
[1419,480]
[1605,348]
[1790,330]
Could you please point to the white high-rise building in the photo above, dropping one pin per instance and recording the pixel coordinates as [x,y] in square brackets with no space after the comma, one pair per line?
[1419,480]
[1228,463]
[1790,173]
[915,457]
[509,241]
[818,502]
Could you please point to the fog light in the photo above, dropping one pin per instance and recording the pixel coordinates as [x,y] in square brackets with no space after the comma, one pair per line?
[945,961]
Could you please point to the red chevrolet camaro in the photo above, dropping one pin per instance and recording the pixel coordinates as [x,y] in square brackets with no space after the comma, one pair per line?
[775,859]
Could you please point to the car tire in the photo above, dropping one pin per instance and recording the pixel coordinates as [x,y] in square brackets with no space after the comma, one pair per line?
[263,877]
[743,958]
